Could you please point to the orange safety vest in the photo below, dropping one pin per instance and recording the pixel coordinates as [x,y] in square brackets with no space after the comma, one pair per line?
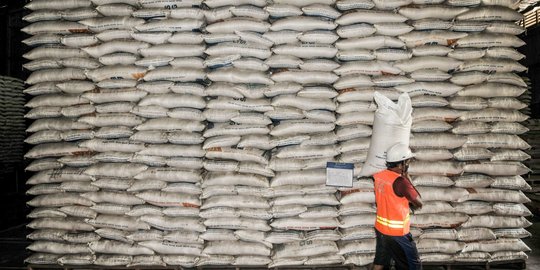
[392,211]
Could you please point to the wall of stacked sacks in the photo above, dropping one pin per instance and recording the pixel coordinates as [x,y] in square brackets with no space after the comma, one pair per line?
[174,132]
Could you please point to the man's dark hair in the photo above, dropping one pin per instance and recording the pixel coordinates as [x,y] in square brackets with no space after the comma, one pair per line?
[390,165]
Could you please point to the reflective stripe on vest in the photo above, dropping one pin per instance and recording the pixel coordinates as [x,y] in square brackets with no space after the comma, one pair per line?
[393,216]
[393,223]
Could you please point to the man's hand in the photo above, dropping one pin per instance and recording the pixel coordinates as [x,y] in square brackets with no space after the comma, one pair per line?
[416,204]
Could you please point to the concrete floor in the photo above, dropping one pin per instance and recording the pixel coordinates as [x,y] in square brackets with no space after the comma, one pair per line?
[13,252]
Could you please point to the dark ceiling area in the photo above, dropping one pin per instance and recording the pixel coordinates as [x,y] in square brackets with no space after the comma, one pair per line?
[11,47]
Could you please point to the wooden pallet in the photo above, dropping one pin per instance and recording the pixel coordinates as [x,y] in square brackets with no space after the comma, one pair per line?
[224,267]
[514,264]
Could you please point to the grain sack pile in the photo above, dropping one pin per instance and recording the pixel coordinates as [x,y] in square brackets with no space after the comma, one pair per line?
[12,119]
[465,131]
[235,207]
[192,133]
[118,132]
[304,209]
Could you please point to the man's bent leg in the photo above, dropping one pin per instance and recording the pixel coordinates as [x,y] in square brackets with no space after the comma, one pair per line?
[404,253]
[382,252]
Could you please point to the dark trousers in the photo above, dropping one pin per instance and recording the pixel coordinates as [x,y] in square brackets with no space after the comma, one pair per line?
[400,248]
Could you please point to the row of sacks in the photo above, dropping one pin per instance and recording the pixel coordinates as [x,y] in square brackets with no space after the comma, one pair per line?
[434,189]
[428,146]
[423,78]
[473,228]
[279,9]
[155,154]
[494,119]
[245,44]
[166,111]
[450,248]
[127,52]
[470,257]
[90,19]
[164,178]
[67,180]
[329,73]
[378,4]
[131,72]
[133,106]
[190,261]
[257,43]
[140,260]
[498,220]
[433,94]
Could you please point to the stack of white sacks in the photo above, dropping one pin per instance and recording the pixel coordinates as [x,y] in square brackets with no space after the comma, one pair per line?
[118,133]
[467,170]
[235,209]
[173,132]
[367,47]
[303,59]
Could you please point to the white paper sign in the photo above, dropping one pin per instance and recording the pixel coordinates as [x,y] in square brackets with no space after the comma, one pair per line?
[339,174]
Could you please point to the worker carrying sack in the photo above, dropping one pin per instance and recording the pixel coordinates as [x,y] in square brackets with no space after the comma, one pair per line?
[392,125]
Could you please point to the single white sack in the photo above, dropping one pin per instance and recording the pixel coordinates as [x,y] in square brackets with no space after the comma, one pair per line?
[496,195]
[240,248]
[444,220]
[445,168]
[306,177]
[234,75]
[54,27]
[364,246]
[497,168]
[500,256]
[117,247]
[305,77]
[370,16]
[392,125]
[303,3]
[442,194]
[59,199]
[58,248]
[490,13]
[439,246]
[306,248]
[169,199]
[435,12]
[497,245]
[304,224]
[359,259]
[170,247]
[303,23]
[428,62]
[496,222]
[174,223]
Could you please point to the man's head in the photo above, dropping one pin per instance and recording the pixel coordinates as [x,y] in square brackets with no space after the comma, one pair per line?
[398,156]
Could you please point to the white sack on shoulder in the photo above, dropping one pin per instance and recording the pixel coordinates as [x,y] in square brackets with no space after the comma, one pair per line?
[392,125]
